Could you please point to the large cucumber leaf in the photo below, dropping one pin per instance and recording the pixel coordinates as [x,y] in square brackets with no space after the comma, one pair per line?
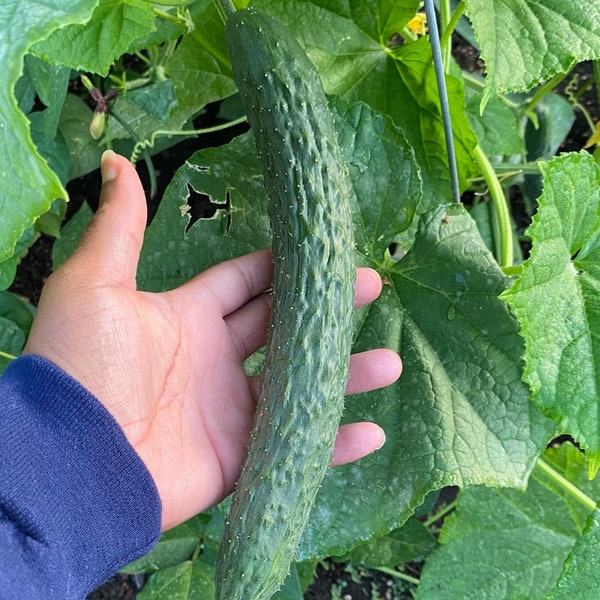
[503,544]
[526,42]
[185,581]
[229,179]
[27,185]
[459,414]
[556,300]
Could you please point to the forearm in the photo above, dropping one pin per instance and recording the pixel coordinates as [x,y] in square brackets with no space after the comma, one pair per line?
[76,502]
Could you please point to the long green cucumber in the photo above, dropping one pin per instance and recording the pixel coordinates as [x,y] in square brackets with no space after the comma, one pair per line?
[309,342]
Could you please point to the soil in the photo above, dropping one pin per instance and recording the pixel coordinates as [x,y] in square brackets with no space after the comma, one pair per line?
[335,581]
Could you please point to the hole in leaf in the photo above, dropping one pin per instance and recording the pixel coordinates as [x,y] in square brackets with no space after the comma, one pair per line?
[395,41]
[202,206]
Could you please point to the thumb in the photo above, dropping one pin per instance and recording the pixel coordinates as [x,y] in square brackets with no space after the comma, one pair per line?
[112,243]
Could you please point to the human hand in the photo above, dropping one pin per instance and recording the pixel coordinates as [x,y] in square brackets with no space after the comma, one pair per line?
[168,366]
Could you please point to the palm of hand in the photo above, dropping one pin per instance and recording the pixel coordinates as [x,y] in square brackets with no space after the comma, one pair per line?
[168,366]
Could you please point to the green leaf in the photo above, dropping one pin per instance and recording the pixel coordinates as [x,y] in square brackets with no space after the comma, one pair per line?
[292,587]
[18,310]
[503,544]
[580,578]
[526,42]
[554,117]
[50,83]
[497,129]
[411,541]
[227,177]
[200,67]
[16,317]
[70,234]
[171,2]
[459,415]
[191,580]
[27,185]
[113,27]
[556,300]
[573,465]
[357,64]
[230,176]
[74,128]
[381,162]
[157,100]
[12,341]
[143,112]
[181,543]
[166,554]
[8,268]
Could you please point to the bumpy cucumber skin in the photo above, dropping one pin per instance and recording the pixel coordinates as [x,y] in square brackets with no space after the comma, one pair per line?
[306,370]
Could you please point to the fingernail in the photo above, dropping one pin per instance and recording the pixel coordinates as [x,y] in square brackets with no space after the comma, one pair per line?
[382,444]
[108,166]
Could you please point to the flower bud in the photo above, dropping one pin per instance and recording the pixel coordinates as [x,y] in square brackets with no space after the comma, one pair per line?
[97,124]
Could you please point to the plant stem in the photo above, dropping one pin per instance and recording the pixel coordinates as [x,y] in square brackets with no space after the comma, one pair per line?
[596,65]
[446,49]
[528,168]
[7,355]
[476,83]
[398,574]
[543,90]
[143,145]
[566,485]
[447,30]
[225,7]
[573,98]
[163,14]
[440,514]
[501,222]
[434,39]
[145,153]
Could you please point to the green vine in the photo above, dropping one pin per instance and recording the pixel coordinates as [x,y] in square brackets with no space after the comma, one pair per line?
[147,158]
[501,216]
[565,484]
[143,145]
[7,355]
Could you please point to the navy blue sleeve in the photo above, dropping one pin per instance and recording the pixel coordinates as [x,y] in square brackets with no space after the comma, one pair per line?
[76,501]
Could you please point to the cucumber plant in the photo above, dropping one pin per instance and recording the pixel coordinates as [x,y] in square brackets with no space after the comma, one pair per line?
[499,352]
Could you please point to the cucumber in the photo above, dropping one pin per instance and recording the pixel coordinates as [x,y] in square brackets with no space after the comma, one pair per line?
[306,370]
